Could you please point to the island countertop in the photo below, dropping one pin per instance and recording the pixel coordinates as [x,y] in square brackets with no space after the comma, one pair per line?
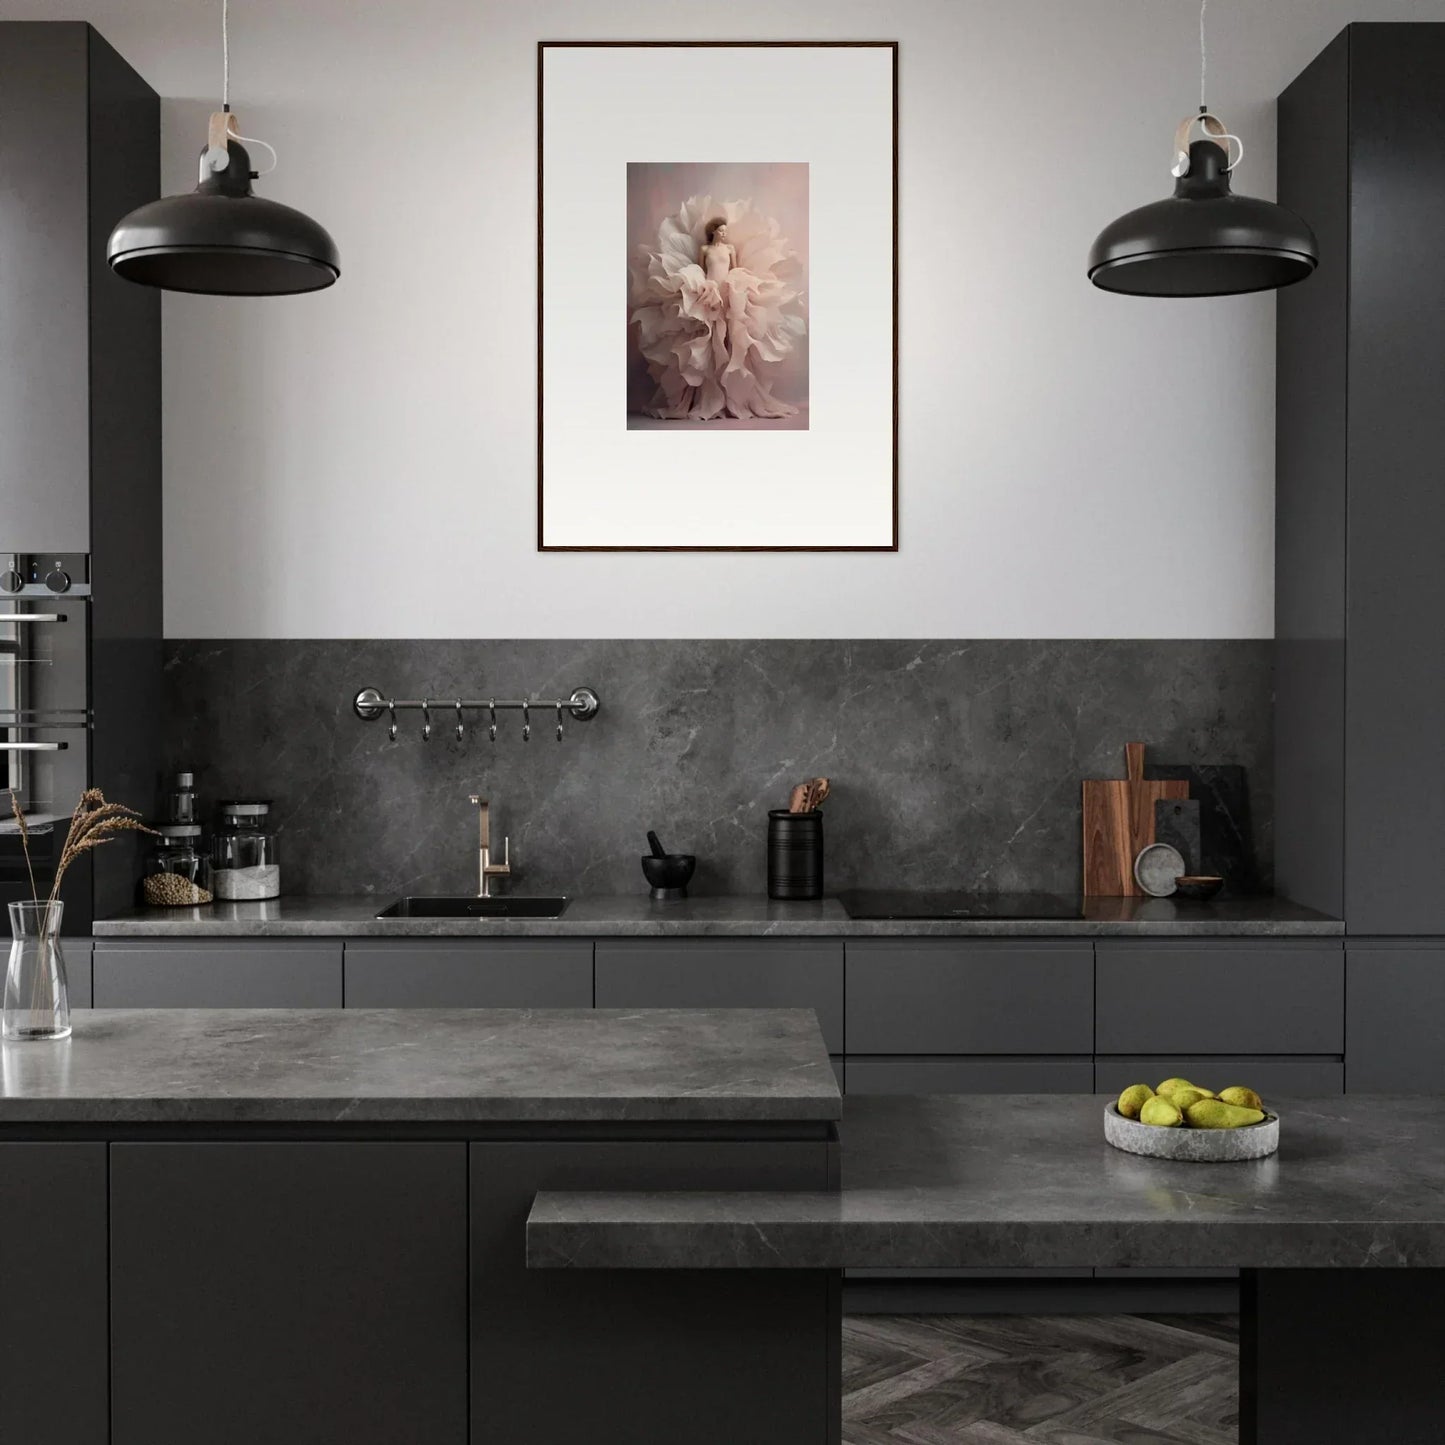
[423,1066]
[1027,1181]
[638,916]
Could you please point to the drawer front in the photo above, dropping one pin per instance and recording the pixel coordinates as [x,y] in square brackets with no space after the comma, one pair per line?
[970,1076]
[1271,1077]
[709,973]
[500,973]
[1228,999]
[217,975]
[928,996]
[1396,1018]
[77,970]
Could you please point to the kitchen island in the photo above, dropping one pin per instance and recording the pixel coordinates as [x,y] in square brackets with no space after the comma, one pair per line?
[1340,1235]
[242,1225]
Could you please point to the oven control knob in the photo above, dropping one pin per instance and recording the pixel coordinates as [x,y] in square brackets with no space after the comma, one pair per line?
[58,580]
[11,581]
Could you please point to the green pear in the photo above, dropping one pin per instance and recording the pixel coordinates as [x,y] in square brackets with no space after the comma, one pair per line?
[1133,1099]
[1245,1098]
[1161,1112]
[1215,1114]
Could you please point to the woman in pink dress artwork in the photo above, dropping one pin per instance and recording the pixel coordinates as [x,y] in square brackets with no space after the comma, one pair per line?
[716,300]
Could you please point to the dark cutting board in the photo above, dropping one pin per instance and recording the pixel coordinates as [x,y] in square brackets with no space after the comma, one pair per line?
[1226,835]
[1176,822]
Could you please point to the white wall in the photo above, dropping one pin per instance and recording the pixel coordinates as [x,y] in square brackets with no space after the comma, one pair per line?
[361,463]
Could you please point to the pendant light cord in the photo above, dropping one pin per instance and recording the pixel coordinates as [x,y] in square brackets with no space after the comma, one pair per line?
[1204,106]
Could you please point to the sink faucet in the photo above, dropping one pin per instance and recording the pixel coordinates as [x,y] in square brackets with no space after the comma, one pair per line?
[486,869]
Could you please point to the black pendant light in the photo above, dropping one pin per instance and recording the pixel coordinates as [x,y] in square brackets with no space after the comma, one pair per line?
[1203,240]
[222,239]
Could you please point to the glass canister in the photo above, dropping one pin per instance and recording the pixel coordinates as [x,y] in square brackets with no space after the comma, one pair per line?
[177,869]
[244,861]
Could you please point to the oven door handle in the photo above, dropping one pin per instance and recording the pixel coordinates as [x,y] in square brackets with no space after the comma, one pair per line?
[33,747]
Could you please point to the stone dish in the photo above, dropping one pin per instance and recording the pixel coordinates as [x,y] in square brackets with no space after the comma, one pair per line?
[1156,868]
[1192,1146]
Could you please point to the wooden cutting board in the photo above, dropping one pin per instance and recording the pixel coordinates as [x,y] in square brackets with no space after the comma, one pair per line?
[1119,821]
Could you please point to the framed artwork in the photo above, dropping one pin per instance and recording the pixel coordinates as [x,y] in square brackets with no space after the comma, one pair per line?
[717,296]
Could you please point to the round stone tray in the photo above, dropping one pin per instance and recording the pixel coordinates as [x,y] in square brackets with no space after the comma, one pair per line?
[1194,1146]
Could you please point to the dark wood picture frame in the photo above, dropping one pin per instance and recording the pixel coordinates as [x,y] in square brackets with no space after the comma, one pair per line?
[542,47]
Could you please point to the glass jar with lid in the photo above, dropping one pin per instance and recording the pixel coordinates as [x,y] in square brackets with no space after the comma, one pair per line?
[176,873]
[244,861]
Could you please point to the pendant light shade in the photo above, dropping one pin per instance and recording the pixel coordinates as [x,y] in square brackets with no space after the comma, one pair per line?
[224,240]
[1203,240]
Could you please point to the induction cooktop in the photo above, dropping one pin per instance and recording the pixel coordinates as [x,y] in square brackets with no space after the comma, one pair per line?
[867,903]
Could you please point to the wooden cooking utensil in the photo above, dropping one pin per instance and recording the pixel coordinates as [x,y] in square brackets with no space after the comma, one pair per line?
[1119,822]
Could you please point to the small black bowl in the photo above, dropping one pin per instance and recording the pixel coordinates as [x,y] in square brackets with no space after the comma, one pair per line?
[669,874]
[1197,887]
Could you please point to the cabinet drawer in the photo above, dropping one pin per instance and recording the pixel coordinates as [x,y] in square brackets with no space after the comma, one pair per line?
[928,996]
[1231,998]
[77,970]
[499,973]
[970,1076]
[713,973]
[1396,1014]
[1272,1077]
[291,1291]
[233,974]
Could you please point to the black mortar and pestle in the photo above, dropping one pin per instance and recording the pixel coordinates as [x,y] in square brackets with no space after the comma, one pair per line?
[668,873]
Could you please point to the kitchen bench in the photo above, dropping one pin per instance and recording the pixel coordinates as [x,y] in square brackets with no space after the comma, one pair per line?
[1340,1236]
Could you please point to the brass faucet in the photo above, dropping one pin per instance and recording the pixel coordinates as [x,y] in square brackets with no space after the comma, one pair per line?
[486,869]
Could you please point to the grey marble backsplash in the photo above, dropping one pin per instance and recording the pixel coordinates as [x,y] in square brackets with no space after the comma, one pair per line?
[954,764]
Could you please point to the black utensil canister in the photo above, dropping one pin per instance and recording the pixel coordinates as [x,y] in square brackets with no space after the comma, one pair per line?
[795,854]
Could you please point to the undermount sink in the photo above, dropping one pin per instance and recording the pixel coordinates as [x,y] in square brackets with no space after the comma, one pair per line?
[465,907]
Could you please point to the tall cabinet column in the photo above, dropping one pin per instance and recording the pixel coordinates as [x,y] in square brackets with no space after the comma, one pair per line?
[1360,529]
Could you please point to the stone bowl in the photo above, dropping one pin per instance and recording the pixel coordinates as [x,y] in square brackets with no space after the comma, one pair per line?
[1192,1146]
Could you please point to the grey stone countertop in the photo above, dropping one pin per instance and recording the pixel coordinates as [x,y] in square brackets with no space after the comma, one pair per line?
[637,916]
[1028,1181]
[396,1066]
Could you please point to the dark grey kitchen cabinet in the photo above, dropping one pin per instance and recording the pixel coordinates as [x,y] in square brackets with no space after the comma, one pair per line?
[1273,1076]
[1360,512]
[1240,997]
[77,953]
[1032,1075]
[1395,1017]
[725,973]
[230,973]
[951,996]
[458,973]
[553,1355]
[80,397]
[233,1275]
[53,1299]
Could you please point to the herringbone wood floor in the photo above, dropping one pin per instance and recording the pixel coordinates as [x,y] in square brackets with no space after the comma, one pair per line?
[1040,1380]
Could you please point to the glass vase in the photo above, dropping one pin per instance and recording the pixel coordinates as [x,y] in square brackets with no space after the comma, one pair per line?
[37,1000]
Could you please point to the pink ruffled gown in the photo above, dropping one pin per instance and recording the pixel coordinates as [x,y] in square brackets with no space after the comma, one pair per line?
[709,320]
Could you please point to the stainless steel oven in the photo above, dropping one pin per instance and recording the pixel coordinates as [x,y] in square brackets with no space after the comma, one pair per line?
[45,716]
